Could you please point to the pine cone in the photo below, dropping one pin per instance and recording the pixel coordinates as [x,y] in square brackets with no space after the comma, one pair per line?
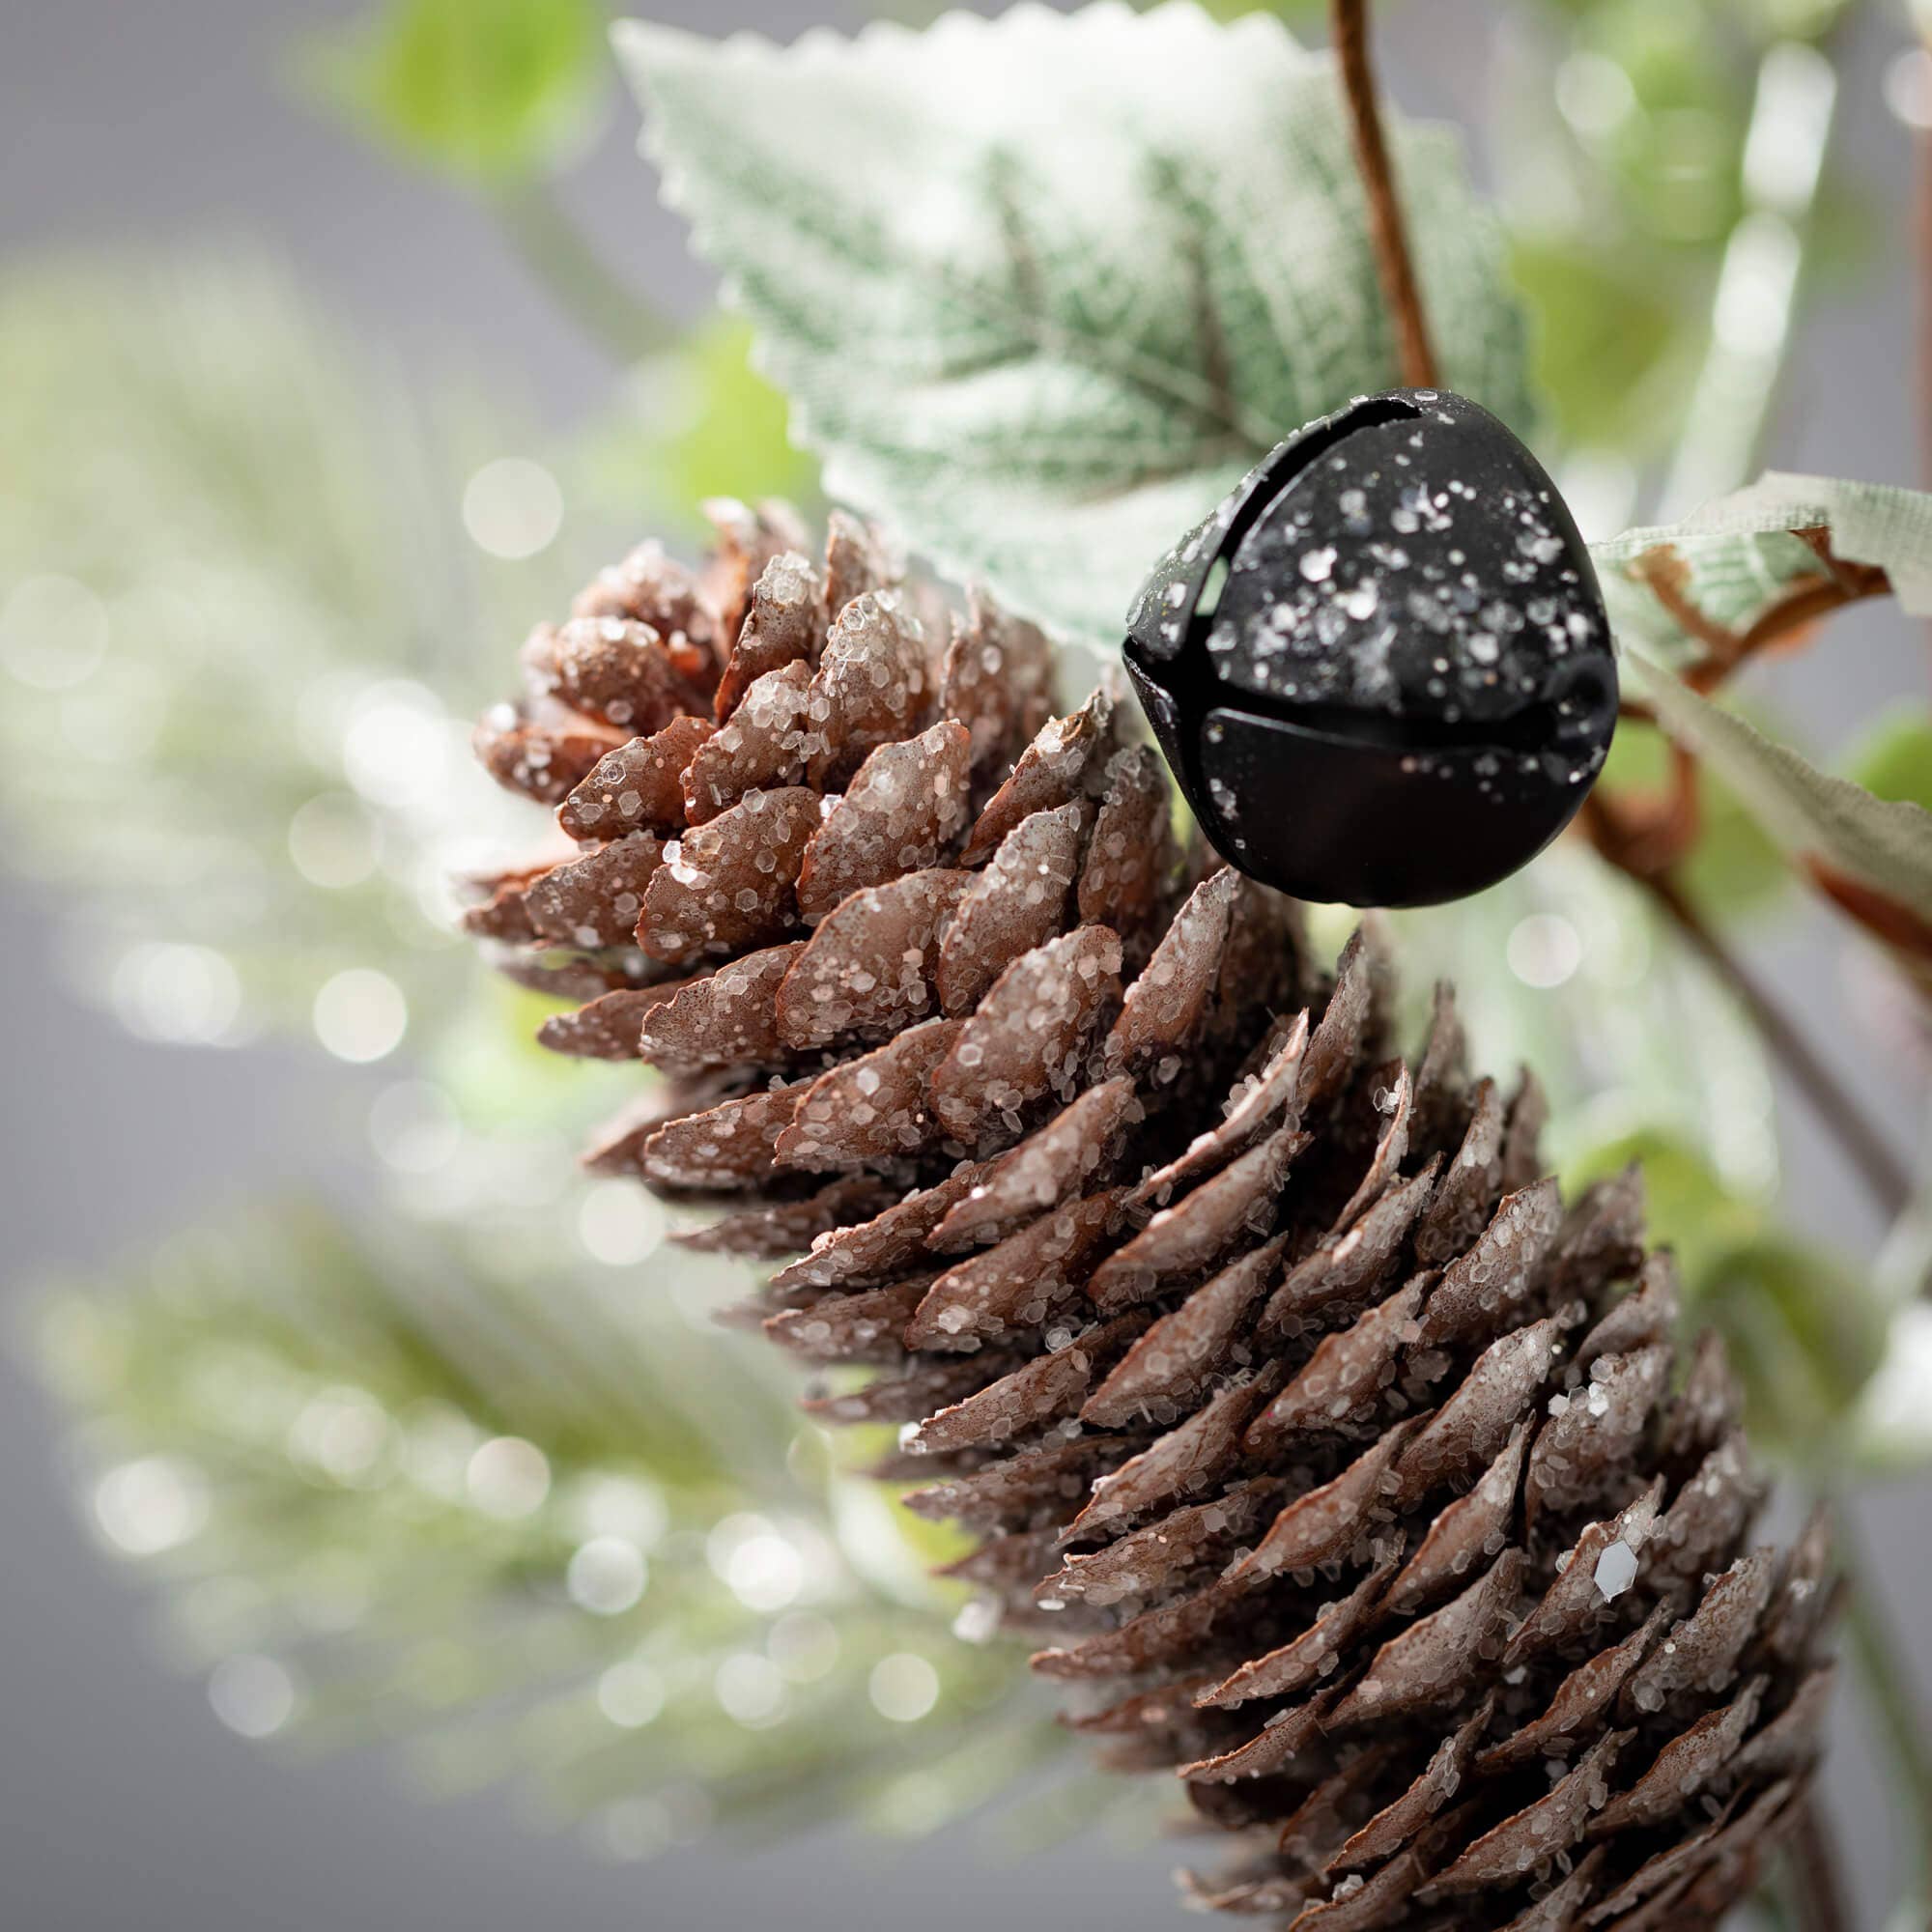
[1353,1477]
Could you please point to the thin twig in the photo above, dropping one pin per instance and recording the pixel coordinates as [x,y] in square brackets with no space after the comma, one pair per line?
[1782,623]
[1886,1175]
[1647,845]
[1817,1870]
[576,276]
[1349,20]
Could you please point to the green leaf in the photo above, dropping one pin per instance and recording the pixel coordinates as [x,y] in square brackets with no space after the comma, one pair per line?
[1688,1208]
[1568,968]
[694,423]
[1042,289]
[485,90]
[1739,575]
[1894,760]
[1603,336]
[1804,1339]
[1233,10]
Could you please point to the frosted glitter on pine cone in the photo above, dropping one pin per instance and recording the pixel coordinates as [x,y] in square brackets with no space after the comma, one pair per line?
[1352,1478]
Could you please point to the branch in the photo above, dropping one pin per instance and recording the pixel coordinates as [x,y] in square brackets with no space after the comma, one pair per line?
[1883,1174]
[1646,844]
[1782,623]
[1350,32]
[577,278]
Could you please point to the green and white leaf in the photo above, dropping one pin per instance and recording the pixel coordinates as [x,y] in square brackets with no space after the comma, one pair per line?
[1735,559]
[1739,557]
[1042,289]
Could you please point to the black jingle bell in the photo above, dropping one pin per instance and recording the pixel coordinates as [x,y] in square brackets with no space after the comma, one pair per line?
[1381,669]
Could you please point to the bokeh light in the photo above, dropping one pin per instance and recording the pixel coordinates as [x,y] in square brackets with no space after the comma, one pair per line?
[512,508]
[749,1689]
[606,1576]
[333,841]
[53,632]
[757,1563]
[344,1433]
[360,1014]
[619,1224]
[1544,951]
[904,1687]
[181,994]
[413,1127]
[803,1646]
[150,1505]
[253,1695]
[508,1477]
[630,1693]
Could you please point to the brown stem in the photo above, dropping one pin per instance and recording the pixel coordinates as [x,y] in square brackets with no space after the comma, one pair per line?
[1817,1871]
[1805,601]
[1349,20]
[1881,1170]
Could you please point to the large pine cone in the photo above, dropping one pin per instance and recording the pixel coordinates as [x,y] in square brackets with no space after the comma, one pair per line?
[1353,1477]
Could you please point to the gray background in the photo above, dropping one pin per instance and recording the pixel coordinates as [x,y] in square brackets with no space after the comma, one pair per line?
[122,1801]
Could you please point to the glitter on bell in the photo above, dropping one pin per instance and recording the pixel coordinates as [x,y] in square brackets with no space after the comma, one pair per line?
[1381,669]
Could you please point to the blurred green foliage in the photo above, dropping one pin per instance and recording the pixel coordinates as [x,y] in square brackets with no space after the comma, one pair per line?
[411,1485]
[485,91]
[1620,135]
[1893,759]
[694,422]
[243,576]
[1806,1337]
[1605,336]
[242,562]
[1734,868]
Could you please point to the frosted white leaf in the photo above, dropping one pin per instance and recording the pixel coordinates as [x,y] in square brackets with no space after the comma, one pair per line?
[1042,289]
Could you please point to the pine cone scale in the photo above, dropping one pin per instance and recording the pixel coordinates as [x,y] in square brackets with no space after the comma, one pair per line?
[1267,1366]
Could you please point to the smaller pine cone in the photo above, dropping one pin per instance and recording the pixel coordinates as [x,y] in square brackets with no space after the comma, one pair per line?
[1358,1483]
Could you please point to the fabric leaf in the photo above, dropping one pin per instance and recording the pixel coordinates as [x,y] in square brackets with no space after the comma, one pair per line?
[1043,288]
[1776,554]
